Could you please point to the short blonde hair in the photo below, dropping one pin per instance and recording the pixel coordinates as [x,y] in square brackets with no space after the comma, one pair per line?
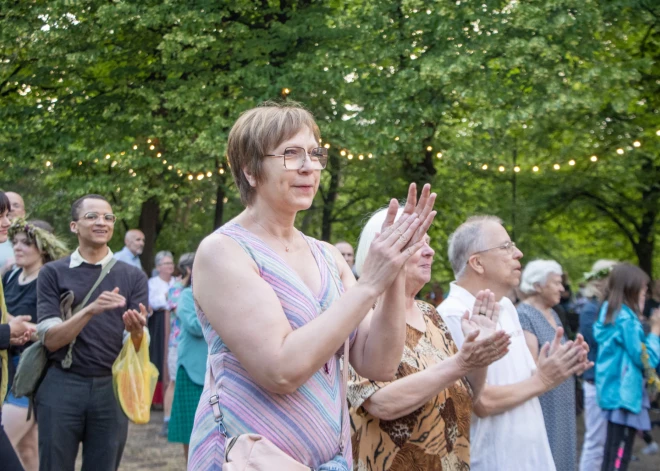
[256,133]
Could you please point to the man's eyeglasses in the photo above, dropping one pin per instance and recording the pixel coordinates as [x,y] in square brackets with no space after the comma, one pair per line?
[509,247]
[294,157]
[92,217]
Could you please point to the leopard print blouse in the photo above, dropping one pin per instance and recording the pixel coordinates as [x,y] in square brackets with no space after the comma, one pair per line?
[432,438]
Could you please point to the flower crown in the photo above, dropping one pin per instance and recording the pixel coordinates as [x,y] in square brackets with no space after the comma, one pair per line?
[598,275]
[45,241]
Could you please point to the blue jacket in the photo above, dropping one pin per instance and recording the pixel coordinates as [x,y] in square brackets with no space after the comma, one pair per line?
[192,350]
[619,368]
[588,317]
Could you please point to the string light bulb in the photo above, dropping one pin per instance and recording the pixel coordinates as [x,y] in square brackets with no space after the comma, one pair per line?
[593,158]
[152,147]
[535,169]
[429,149]
[135,147]
[396,138]
[343,153]
[370,156]
[350,156]
[637,144]
[208,174]
[158,154]
[571,162]
[439,155]
[361,157]
[619,151]
[148,141]
[190,177]
[516,169]
[200,176]
[326,145]
[113,164]
[285,91]
[556,166]
[484,167]
[107,156]
[48,163]
[501,168]
[221,171]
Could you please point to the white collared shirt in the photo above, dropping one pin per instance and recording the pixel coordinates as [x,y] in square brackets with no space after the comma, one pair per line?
[515,439]
[77,259]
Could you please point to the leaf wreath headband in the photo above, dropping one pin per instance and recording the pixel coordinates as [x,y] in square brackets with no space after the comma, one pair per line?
[598,275]
[45,241]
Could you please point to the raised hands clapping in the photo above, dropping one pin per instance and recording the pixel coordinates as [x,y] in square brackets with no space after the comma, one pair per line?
[399,238]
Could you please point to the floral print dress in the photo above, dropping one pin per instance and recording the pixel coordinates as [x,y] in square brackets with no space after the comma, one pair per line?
[432,438]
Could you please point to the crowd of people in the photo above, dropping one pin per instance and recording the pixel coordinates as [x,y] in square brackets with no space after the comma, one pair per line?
[324,355]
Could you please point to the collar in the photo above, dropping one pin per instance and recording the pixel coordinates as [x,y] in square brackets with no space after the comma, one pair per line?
[460,293]
[465,297]
[77,259]
[128,252]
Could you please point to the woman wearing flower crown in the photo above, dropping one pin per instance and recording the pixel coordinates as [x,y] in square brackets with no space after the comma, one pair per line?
[33,246]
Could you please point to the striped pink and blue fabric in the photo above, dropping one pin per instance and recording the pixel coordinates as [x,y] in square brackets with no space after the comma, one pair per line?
[304,424]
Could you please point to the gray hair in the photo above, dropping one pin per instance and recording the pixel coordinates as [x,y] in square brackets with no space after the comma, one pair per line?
[163,254]
[466,240]
[186,261]
[537,272]
[368,235]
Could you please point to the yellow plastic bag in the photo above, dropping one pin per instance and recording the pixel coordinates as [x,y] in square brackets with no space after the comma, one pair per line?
[134,379]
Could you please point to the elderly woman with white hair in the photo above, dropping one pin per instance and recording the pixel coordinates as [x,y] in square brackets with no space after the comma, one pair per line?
[541,283]
[421,419]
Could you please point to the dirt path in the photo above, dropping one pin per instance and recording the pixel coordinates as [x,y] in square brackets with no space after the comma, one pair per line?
[146,450]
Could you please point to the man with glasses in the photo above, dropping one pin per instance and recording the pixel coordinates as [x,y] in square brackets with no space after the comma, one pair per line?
[508,431]
[75,402]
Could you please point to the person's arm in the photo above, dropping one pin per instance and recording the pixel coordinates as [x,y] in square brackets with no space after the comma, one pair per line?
[553,367]
[403,396]
[5,333]
[187,314]
[378,346]
[633,338]
[247,314]
[135,322]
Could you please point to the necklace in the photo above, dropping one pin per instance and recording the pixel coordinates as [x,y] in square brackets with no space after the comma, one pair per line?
[286,247]
[25,275]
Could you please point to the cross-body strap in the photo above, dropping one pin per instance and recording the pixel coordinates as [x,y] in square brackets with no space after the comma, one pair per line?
[68,359]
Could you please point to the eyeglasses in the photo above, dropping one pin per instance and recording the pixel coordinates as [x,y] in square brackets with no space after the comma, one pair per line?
[92,217]
[509,247]
[294,157]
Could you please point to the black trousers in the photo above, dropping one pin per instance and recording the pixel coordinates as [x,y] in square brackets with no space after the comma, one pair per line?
[8,458]
[74,409]
[156,325]
[619,440]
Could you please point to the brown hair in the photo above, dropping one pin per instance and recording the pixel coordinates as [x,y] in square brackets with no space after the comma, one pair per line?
[625,283]
[256,133]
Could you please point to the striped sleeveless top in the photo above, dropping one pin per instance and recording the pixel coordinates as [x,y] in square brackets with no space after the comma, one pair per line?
[304,424]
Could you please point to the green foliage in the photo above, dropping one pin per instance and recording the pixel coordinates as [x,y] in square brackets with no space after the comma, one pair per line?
[432,91]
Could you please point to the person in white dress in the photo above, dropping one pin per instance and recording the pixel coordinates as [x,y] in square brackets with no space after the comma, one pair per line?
[507,430]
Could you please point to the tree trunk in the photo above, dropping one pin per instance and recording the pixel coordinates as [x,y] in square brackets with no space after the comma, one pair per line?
[219,205]
[331,196]
[149,224]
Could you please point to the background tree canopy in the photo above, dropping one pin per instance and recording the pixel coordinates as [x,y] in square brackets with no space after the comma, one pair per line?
[544,112]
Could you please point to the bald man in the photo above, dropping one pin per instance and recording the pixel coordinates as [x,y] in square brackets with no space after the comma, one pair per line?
[348,253]
[134,240]
[16,210]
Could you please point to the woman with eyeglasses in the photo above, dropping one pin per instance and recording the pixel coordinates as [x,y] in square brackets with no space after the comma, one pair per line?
[421,419]
[33,246]
[276,306]
[14,332]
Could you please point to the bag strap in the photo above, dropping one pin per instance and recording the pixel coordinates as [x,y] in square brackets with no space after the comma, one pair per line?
[215,398]
[68,359]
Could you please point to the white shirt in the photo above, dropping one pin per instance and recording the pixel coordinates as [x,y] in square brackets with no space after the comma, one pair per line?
[125,255]
[158,291]
[77,259]
[516,439]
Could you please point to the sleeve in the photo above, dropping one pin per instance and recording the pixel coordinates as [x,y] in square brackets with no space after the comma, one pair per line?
[48,294]
[5,335]
[526,322]
[360,389]
[157,299]
[139,295]
[452,317]
[588,315]
[188,315]
[633,337]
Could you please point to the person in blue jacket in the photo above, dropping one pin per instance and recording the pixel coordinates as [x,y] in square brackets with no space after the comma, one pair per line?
[624,352]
